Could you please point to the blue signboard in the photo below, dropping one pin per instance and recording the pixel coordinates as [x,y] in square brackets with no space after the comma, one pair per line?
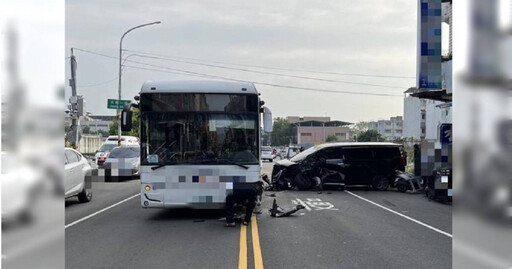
[445,133]
[429,51]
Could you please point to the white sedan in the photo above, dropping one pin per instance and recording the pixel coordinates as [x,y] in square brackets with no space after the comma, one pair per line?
[267,153]
[76,168]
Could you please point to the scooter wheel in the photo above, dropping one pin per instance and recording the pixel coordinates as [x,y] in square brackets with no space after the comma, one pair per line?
[401,187]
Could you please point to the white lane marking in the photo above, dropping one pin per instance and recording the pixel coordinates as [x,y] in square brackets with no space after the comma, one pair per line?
[100,211]
[304,204]
[401,215]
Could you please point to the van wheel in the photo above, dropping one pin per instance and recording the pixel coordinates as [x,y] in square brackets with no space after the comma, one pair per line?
[85,196]
[380,183]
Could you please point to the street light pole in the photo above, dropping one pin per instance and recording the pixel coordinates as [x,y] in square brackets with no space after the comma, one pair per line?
[119,89]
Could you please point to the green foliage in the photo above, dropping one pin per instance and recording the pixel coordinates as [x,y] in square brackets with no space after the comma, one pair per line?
[86,130]
[103,133]
[135,125]
[369,136]
[359,128]
[331,138]
[282,132]
[113,127]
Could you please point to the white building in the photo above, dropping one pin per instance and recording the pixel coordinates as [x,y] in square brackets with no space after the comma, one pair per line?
[390,129]
[414,125]
[94,122]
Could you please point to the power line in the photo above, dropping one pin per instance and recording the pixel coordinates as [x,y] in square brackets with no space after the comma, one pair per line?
[189,73]
[278,68]
[346,82]
[98,84]
[275,74]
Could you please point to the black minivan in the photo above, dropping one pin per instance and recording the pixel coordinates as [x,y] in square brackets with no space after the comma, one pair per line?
[358,163]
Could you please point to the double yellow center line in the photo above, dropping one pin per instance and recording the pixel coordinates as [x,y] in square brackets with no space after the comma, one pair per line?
[242,258]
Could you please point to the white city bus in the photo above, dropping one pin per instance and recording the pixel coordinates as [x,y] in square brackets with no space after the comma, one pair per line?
[198,139]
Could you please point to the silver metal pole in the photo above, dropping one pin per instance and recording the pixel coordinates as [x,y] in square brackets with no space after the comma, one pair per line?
[119,89]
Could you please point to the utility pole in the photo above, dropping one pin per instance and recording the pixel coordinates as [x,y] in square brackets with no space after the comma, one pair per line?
[73,99]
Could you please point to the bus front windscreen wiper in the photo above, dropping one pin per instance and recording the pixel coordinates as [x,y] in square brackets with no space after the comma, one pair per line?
[233,162]
[158,166]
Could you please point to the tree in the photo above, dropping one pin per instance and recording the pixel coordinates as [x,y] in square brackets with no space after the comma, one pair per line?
[282,132]
[359,128]
[113,127]
[331,138]
[103,133]
[135,125]
[369,136]
[86,129]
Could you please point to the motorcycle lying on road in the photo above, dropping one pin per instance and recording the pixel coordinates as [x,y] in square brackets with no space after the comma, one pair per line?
[406,181]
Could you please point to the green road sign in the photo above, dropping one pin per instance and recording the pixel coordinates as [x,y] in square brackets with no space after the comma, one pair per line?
[117,104]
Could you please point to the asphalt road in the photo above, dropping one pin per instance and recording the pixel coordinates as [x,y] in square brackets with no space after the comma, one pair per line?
[356,228]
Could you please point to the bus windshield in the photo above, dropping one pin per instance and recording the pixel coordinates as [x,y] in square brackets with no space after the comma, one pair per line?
[179,138]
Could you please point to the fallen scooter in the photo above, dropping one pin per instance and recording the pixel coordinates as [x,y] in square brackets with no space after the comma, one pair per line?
[406,181]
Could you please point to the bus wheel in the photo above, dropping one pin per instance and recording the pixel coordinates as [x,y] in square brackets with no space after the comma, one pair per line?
[380,183]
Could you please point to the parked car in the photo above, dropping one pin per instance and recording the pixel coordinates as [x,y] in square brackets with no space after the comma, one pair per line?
[372,164]
[76,168]
[21,186]
[102,153]
[123,162]
[267,153]
[112,142]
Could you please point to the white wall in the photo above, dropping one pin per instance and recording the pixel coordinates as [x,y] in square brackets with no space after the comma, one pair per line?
[412,117]
[436,116]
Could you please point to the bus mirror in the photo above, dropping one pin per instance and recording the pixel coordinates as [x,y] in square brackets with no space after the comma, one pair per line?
[267,120]
[126,120]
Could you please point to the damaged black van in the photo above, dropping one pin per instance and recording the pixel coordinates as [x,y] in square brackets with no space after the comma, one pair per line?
[359,163]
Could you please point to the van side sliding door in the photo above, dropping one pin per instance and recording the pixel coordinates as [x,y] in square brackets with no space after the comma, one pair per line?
[359,163]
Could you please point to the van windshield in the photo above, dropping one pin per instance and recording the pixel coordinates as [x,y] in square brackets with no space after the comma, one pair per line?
[299,157]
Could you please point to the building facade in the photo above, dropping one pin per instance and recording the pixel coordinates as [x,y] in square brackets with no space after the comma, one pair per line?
[389,129]
[414,125]
[94,122]
[309,131]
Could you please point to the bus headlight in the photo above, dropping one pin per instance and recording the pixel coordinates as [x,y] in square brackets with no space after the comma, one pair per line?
[147,188]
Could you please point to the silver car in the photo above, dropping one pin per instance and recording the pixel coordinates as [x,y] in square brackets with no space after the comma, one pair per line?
[123,162]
